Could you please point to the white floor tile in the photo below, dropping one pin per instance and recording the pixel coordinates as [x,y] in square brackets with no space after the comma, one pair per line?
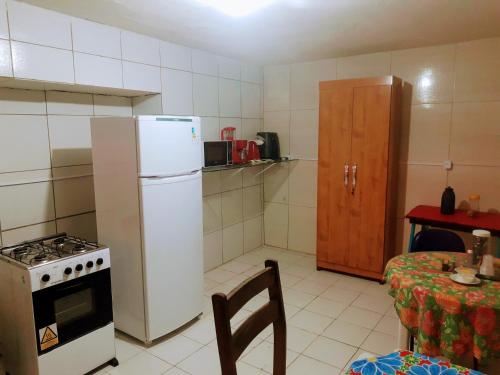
[300,271]
[360,317]
[261,357]
[388,325]
[310,321]
[220,275]
[175,349]
[296,298]
[245,369]
[355,283]
[175,371]
[304,365]
[126,347]
[236,266]
[203,331]
[142,363]
[339,294]
[326,307]
[329,351]
[380,343]
[203,362]
[297,340]
[325,277]
[347,333]
[288,281]
[379,304]
[310,287]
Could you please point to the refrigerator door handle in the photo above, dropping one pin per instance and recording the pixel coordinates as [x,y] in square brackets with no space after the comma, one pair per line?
[159,180]
[160,176]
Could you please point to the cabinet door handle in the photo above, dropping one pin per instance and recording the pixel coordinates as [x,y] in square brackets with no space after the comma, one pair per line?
[354,171]
[346,174]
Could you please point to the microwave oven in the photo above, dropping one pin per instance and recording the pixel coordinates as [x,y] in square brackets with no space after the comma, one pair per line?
[217,153]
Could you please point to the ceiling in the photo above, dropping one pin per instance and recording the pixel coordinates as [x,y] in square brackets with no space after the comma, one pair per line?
[297,30]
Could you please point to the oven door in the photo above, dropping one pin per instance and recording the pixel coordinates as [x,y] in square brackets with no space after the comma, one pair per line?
[67,311]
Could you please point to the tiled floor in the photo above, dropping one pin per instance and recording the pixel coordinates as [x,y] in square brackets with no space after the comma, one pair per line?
[331,320]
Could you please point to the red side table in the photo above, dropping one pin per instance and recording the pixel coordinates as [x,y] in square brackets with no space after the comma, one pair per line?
[459,221]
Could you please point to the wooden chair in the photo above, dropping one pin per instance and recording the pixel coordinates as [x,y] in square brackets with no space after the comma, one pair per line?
[231,345]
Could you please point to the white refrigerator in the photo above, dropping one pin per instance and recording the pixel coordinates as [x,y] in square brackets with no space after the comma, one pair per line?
[147,181]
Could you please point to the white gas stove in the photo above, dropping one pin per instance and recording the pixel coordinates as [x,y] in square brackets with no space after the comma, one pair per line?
[55,302]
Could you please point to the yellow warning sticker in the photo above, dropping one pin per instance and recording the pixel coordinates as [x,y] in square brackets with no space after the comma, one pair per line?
[48,336]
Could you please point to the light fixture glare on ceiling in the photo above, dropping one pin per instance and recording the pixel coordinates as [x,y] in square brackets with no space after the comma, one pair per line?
[237,8]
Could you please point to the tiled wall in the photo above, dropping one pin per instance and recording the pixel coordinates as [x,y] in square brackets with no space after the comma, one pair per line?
[46,181]
[45,151]
[451,112]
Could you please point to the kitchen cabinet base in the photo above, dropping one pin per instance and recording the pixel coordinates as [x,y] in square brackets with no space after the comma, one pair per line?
[322,265]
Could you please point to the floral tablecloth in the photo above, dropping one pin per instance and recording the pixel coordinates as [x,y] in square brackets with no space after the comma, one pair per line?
[404,362]
[446,318]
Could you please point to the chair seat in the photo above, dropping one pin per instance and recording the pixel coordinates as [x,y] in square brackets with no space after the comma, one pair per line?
[406,362]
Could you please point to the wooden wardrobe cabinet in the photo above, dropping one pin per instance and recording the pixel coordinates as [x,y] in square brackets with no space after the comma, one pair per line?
[358,142]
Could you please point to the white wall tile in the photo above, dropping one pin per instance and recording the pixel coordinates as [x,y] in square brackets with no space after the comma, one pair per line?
[147,105]
[231,179]
[276,184]
[15,236]
[205,95]
[95,38]
[253,201]
[70,141]
[5,60]
[140,48]
[210,128]
[175,56]
[98,71]
[251,100]
[204,63]
[212,213]
[74,196]
[252,73]
[83,226]
[105,105]
[26,204]
[22,102]
[276,225]
[39,26]
[211,183]
[69,103]
[141,77]
[229,68]
[234,122]
[250,127]
[229,98]
[232,242]
[279,122]
[42,63]
[177,92]
[304,81]
[4,28]
[277,88]
[303,182]
[212,249]
[302,231]
[304,134]
[253,176]
[24,143]
[362,66]
[232,207]
[253,233]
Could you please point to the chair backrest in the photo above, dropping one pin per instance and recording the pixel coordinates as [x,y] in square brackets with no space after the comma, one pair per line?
[437,240]
[231,345]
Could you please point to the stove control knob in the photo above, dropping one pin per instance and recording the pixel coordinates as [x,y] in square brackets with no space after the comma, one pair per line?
[45,278]
[90,264]
[68,271]
[99,261]
[78,267]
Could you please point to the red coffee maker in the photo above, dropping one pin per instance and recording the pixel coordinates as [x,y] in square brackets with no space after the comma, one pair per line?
[253,151]
[240,153]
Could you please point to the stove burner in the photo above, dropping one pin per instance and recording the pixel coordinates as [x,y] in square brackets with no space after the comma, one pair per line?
[79,248]
[20,251]
[40,258]
[59,241]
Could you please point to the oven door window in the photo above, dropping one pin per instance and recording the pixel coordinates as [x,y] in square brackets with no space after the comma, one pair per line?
[74,308]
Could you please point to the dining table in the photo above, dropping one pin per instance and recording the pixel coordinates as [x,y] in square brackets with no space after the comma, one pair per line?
[444,317]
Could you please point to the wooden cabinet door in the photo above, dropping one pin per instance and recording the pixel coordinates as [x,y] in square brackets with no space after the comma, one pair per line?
[334,148]
[369,154]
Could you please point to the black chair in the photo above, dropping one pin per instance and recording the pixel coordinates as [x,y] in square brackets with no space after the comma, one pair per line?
[437,240]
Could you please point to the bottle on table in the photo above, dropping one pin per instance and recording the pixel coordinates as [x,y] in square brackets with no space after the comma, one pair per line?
[473,205]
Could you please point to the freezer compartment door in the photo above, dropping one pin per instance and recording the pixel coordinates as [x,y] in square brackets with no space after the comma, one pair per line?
[168,145]
[173,251]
